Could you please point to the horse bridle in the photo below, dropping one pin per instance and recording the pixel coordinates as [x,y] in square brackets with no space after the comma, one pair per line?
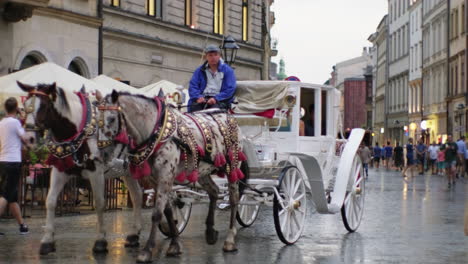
[102,107]
[30,111]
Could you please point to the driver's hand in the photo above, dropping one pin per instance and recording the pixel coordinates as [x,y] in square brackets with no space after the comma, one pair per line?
[211,101]
[200,100]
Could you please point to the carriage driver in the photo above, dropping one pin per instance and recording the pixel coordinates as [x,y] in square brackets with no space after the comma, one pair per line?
[213,83]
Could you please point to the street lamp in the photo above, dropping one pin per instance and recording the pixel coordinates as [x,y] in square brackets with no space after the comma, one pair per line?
[229,48]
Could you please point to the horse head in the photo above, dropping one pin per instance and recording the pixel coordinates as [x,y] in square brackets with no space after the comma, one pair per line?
[48,107]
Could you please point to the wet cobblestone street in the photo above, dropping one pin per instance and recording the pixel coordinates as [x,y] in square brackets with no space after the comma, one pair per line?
[414,220]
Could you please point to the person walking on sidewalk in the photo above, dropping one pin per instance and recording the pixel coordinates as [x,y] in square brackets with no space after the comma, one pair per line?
[388,155]
[398,156]
[433,150]
[377,154]
[11,138]
[365,155]
[421,155]
[450,148]
[409,157]
[440,162]
[461,157]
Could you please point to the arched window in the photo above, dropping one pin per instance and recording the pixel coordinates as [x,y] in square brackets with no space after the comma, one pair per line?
[78,66]
[29,61]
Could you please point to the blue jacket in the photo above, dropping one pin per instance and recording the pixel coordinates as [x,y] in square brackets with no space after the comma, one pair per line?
[199,81]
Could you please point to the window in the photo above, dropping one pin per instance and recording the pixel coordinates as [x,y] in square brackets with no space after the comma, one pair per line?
[463,19]
[245,20]
[29,61]
[188,13]
[218,17]
[74,67]
[154,8]
[115,3]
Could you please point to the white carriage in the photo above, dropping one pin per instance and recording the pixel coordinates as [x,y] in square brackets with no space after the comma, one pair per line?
[283,166]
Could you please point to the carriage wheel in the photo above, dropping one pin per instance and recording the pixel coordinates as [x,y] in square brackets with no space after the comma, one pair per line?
[181,212]
[289,208]
[247,213]
[353,205]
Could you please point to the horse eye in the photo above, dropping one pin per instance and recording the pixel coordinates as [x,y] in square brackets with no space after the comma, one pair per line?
[111,119]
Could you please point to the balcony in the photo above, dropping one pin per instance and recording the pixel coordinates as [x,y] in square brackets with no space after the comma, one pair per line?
[17,10]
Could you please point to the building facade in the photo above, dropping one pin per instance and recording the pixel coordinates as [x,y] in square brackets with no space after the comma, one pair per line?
[415,88]
[64,32]
[398,74]
[355,115]
[435,78]
[457,92]
[379,40]
[149,40]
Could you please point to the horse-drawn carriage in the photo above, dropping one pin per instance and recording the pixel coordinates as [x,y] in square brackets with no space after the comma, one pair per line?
[262,148]
[284,164]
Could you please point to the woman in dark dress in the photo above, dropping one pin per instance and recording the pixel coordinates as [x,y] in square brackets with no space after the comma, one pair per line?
[398,156]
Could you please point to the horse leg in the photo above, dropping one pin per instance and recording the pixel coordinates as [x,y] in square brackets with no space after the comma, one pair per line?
[57,181]
[137,197]
[230,242]
[161,193]
[97,181]
[174,247]
[211,235]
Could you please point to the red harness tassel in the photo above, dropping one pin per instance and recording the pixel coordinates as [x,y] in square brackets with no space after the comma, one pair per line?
[140,171]
[60,164]
[242,156]
[193,177]
[181,177]
[122,137]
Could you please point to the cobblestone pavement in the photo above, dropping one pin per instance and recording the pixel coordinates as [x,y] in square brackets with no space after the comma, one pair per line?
[414,220]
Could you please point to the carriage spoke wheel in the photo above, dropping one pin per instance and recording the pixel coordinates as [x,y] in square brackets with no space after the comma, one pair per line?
[247,213]
[290,207]
[353,205]
[181,212]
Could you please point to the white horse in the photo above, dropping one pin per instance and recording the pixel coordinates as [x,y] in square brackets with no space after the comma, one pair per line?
[169,146]
[70,121]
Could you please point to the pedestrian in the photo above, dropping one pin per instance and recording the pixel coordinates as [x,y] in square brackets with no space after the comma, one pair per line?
[398,156]
[440,162]
[433,150]
[450,148]
[409,157]
[11,139]
[377,154]
[365,155]
[213,83]
[461,145]
[421,155]
[466,161]
[388,154]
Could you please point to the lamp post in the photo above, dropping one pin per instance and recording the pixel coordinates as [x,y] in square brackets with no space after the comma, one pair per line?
[229,48]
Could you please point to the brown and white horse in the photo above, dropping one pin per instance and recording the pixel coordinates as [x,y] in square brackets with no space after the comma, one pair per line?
[71,123]
[167,146]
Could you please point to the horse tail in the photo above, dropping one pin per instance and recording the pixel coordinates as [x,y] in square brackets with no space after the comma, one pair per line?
[243,182]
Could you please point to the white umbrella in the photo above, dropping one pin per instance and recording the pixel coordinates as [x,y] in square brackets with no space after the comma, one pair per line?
[112,84]
[46,73]
[168,88]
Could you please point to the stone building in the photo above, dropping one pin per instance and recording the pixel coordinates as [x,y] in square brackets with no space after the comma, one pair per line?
[398,72]
[435,77]
[379,40]
[64,32]
[145,41]
[140,41]
[457,92]
[415,70]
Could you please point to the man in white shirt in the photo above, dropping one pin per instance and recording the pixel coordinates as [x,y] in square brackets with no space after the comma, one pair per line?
[11,139]
[433,150]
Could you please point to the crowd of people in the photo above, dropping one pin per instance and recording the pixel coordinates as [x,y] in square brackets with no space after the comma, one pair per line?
[449,159]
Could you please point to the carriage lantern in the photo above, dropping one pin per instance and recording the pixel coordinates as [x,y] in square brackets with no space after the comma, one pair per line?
[229,48]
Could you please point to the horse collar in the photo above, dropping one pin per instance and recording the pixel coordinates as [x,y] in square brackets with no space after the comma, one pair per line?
[87,128]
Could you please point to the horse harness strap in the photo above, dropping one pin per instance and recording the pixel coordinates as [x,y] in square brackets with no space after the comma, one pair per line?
[162,133]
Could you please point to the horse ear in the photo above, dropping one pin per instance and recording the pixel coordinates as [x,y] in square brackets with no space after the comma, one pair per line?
[114,96]
[52,91]
[83,89]
[161,94]
[98,96]
[25,87]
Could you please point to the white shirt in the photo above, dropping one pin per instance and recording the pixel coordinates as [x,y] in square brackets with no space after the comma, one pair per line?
[10,139]
[214,82]
[433,152]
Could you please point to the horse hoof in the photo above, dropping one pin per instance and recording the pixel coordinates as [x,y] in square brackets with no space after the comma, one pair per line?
[144,257]
[211,236]
[173,250]
[229,247]
[132,241]
[47,248]
[100,246]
